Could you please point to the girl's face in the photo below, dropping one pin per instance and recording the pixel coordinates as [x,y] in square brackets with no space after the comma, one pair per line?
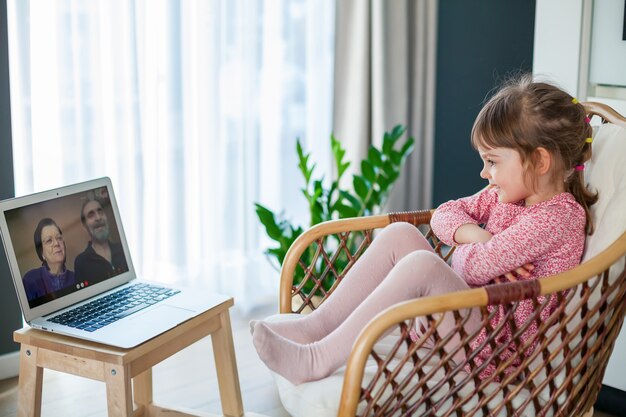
[504,170]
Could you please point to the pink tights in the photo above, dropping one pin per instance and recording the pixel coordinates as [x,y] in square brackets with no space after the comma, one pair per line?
[398,266]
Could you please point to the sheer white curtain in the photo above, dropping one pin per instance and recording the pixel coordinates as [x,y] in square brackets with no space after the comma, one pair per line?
[191,107]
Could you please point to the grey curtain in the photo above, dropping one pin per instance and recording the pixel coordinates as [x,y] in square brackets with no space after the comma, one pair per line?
[385,75]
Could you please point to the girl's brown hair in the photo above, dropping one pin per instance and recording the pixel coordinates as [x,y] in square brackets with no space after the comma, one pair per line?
[525,115]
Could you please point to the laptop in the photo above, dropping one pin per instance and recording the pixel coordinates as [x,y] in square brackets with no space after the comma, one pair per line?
[73,273]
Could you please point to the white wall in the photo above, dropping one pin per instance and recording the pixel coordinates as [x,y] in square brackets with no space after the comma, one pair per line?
[556,51]
[608,48]
[563,39]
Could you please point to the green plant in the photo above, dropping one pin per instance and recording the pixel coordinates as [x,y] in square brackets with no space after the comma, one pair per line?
[370,190]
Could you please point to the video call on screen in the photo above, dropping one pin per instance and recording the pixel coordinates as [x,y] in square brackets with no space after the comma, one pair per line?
[65,244]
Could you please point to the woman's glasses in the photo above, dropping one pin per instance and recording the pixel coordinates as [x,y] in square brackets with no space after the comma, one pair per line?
[51,240]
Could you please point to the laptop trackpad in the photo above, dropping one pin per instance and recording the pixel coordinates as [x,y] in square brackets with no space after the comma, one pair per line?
[163,315]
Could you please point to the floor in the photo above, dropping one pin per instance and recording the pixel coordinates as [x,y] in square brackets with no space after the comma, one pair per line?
[187,379]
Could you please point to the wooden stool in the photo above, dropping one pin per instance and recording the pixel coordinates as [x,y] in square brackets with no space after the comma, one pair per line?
[117,367]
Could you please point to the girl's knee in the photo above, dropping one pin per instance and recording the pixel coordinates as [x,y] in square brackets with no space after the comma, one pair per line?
[431,274]
[403,234]
[417,273]
[423,258]
[403,227]
[419,262]
[398,230]
[423,265]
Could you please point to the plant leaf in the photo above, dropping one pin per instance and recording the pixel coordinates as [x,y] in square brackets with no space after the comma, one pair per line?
[375,157]
[338,152]
[316,205]
[345,211]
[360,187]
[387,143]
[268,220]
[279,253]
[354,202]
[407,148]
[383,182]
[390,138]
[395,157]
[389,169]
[398,130]
[303,163]
[368,171]
[374,200]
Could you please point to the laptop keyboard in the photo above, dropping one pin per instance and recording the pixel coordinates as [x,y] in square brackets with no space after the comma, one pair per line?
[106,310]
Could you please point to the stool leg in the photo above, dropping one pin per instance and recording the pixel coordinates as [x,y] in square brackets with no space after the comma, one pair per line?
[119,392]
[226,367]
[142,390]
[30,383]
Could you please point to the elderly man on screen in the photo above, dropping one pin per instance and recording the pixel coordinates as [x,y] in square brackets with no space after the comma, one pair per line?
[102,258]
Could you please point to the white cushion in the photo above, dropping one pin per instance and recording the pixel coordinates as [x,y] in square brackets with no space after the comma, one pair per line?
[606,172]
[317,398]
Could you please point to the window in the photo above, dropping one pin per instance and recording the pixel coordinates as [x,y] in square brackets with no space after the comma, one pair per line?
[191,107]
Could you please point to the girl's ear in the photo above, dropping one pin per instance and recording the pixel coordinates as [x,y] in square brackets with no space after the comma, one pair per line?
[543,160]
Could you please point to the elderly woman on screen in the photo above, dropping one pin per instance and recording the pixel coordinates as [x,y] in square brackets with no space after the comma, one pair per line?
[52,275]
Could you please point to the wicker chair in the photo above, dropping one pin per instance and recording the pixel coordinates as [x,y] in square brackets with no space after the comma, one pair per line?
[408,375]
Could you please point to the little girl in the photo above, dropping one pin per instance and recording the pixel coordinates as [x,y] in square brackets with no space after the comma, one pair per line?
[533,139]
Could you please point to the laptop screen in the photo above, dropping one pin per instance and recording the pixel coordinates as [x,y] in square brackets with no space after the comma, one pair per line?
[65,244]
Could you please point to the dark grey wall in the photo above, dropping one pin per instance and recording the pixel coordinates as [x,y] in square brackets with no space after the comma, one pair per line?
[10,315]
[479,42]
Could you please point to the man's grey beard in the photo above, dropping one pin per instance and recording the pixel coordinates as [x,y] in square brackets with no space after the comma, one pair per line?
[101,235]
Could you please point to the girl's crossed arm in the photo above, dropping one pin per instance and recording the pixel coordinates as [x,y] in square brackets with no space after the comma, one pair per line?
[481,258]
[471,233]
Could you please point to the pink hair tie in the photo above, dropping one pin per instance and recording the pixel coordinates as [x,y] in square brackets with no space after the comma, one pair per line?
[587,120]
[579,167]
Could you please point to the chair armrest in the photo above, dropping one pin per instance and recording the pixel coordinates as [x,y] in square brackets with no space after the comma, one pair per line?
[317,235]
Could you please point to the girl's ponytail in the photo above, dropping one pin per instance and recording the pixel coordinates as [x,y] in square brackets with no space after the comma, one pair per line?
[575,182]
[575,185]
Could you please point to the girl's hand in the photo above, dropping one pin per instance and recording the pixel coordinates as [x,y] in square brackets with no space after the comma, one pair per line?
[523,271]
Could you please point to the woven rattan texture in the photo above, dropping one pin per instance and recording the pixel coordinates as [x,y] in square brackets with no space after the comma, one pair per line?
[331,257]
[558,371]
